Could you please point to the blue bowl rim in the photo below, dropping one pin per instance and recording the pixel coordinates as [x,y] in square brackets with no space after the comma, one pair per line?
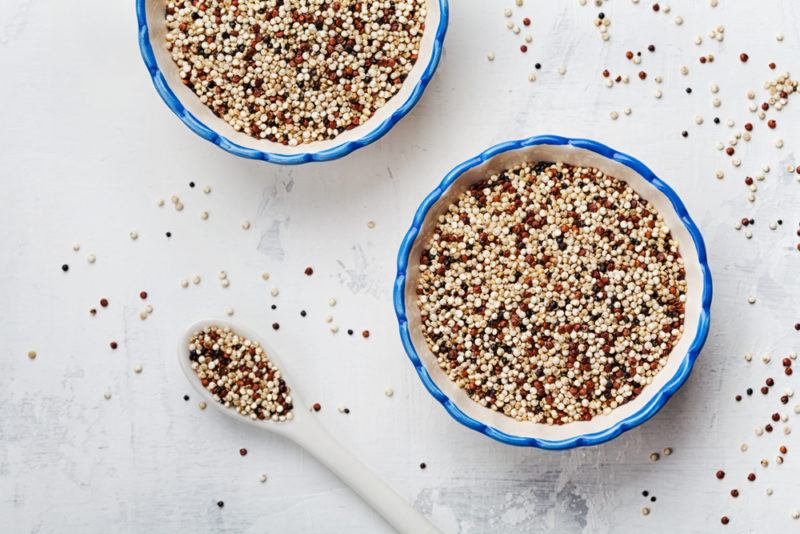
[658,400]
[336,152]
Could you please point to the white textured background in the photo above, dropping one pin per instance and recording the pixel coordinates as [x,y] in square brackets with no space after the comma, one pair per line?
[87,147]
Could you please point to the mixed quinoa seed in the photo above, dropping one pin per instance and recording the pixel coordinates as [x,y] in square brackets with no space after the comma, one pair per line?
[239,374]
[294,72]
[551,293]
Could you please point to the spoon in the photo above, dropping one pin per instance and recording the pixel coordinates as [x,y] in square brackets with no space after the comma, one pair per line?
[305,431]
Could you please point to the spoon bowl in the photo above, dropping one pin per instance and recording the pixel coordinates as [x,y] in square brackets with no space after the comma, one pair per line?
[305,431]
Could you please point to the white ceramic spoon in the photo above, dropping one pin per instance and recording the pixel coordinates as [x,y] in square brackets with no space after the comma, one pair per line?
[304,430]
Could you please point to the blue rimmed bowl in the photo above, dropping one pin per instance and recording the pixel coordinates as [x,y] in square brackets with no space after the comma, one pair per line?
[601,428]
[202,121]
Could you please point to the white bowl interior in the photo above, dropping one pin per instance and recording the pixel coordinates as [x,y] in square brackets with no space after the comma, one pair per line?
[575,156]
[156,10]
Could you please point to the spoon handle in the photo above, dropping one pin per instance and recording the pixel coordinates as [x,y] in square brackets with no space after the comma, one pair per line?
[374,491]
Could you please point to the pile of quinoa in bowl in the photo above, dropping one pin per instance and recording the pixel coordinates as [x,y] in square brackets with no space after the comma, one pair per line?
[552,292]
[291,82]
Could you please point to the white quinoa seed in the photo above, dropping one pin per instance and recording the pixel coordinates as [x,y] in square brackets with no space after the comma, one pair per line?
[196,279]
[245,225]
[107,394]
[201,405]
[134,235]
[274,292]
[207,189]
[388,392]
[262,477]
[91,258]
[229,311]
[32,354]
[137,368]
[184,283]
[268,68]
[512,269]
[265,276]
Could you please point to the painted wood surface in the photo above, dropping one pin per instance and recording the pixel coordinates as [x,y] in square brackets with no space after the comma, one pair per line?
[88,149]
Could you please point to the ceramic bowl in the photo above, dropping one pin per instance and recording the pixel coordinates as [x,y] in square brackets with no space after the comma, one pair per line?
[202,121]
[601,428]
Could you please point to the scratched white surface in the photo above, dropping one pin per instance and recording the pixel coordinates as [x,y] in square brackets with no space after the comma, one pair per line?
[88,148]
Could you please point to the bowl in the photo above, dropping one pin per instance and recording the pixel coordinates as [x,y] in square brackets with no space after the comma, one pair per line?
[202,121]
[601,428]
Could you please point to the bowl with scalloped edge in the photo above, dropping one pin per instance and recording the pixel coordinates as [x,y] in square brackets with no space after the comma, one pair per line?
[600,428]
[186,105]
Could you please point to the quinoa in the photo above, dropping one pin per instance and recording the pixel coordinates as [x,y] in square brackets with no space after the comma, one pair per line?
[239,374]
[294,72]
[551,293]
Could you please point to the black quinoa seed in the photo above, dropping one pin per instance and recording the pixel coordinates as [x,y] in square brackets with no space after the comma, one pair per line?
[422,465]
[169,234]
[716,120]
[65,267]
[685,133]
[220,504]
[186,397]
[349,332]
[303,313]
[276,326]
[191,184]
